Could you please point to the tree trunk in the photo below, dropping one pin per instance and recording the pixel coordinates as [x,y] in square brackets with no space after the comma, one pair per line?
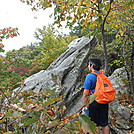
[125,64]
[103,35]
[132,71]
[104,49]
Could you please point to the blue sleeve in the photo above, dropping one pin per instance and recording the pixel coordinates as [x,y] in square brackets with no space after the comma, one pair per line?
[87,83]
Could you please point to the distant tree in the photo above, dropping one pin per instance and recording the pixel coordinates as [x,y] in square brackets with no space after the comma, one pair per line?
[50,45]
[95,14]
[124,30]
[5,75]
[5,33]
[19,64]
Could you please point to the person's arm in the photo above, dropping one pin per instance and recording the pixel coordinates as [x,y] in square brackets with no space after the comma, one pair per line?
[86,95]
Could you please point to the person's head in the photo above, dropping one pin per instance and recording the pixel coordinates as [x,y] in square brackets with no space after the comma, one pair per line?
[94,64]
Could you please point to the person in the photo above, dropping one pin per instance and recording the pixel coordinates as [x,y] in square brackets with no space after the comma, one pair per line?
[98,113]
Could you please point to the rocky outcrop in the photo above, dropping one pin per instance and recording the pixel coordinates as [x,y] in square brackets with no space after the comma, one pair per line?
[118,78]
[121,113]
[69,69]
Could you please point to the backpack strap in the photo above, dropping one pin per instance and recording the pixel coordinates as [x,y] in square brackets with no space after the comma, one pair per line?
[100,72]
[93,73]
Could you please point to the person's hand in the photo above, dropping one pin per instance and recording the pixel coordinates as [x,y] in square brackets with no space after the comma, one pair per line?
[83,112]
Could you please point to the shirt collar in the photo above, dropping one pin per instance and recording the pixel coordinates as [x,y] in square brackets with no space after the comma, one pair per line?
[96,71]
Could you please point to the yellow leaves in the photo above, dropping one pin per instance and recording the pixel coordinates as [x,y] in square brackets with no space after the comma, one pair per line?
[48,132]
[29,101]
[111,25]
[132,6]
[65,44]
[113,13]
[93,24]
[87,3]
[9,132]
[79,4]
[108,6]
[127,18]
[89,15]
[64,108]
[74,9]
[104,1]
[85,22]
[121,32]
[41,1]
[94,1]
[75,115]
[58,1]
[2,87]
[74,19]
[100,14]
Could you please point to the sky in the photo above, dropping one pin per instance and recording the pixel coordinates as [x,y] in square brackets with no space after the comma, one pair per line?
[14,13]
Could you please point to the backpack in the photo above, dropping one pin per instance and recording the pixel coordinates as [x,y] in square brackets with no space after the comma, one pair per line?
[104,90]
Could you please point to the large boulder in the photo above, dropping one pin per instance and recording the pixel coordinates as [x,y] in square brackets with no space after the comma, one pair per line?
[69,69]
[121,112]
[119,79]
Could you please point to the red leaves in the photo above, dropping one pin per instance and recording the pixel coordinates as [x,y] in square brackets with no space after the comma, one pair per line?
[50,111]
[1,116]
[8,32]
[29,101]
[6,62]
[21,70]
[12,69]
[1,45]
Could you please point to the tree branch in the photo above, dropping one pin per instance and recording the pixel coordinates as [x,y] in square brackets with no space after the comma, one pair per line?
[5,95]
[106,15]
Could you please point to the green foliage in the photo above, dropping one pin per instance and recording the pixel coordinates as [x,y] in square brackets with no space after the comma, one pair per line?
[8,78]
[104,19]
[123,42]
[90,126]
[85,13]
[15,67]
[72,126]
[92,98]
[51,45]
[41,111]
[19,64]
[38,113]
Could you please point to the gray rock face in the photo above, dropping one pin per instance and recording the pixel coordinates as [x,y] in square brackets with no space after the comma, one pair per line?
[69,67]
[117,78]
[122,116]
[119,113]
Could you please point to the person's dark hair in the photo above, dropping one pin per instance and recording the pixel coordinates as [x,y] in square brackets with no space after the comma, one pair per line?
[96,63]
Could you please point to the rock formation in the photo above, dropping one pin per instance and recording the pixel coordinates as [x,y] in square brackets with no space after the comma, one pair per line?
[69,67]
[121,112]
